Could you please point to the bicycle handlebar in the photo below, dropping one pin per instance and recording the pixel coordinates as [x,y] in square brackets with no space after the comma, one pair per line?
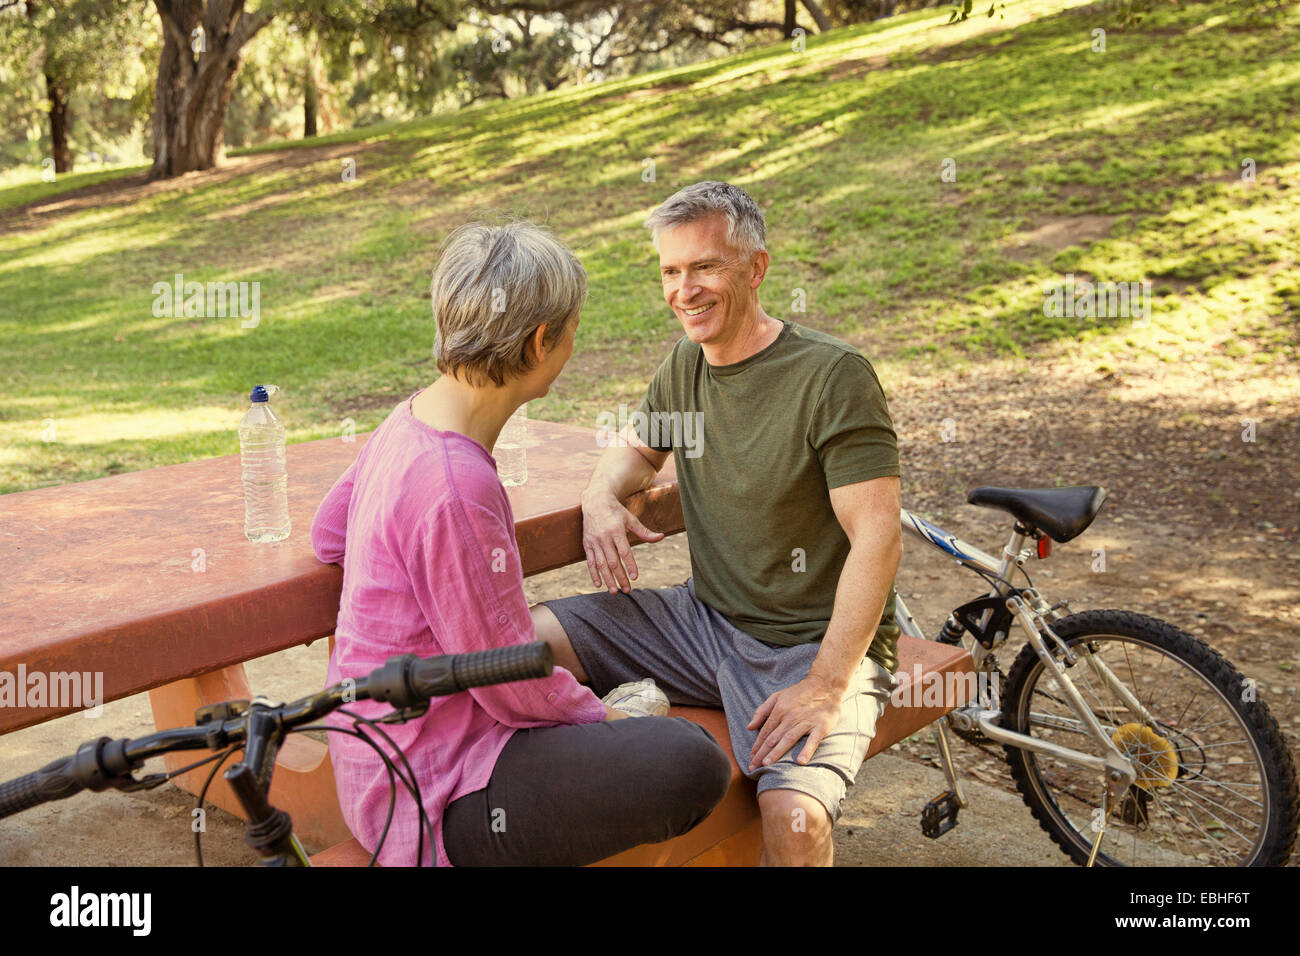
[403,681]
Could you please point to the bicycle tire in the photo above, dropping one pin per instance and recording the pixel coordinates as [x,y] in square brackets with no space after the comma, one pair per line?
[1170,755]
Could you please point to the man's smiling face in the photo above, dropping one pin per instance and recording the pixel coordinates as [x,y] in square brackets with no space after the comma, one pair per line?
[708,284]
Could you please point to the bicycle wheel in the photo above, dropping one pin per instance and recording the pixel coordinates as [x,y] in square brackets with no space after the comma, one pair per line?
[1216,785]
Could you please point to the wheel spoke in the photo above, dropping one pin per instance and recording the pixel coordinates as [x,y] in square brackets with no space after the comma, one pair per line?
[1188,794]
[1201,793]
[1217,844]
[1224,824]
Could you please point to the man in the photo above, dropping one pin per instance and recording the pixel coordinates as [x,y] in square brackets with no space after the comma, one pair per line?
[791,504]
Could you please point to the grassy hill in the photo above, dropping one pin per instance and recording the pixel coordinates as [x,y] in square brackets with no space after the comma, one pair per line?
[1120,165]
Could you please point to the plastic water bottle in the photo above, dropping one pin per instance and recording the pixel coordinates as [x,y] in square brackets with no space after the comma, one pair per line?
[266,481]
[512,460]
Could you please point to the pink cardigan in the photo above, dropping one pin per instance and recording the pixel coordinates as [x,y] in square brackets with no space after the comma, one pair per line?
[431,567]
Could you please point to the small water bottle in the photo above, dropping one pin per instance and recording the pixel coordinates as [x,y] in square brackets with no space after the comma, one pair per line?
[512,460]
[266,480]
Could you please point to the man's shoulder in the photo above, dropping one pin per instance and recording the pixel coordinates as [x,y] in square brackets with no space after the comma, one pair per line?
[823,345]
[831,358]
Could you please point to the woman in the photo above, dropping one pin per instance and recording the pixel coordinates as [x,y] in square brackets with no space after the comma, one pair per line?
[532,772]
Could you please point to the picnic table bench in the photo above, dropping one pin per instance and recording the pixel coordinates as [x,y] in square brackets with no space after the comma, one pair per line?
[148,579]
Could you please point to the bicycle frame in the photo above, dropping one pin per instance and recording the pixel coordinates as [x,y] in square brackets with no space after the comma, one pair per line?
[1032,617]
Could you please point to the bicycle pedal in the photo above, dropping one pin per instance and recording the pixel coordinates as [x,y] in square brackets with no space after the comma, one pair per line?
[940,815]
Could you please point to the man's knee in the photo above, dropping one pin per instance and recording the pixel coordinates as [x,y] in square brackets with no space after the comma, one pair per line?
[549,629]
[796,827]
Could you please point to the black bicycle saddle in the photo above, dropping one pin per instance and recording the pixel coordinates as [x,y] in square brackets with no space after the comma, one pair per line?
[1063,513]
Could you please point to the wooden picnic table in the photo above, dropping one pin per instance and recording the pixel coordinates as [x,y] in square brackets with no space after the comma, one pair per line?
[148,578]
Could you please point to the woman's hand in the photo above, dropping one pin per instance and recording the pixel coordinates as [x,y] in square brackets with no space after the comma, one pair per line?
[612,714]
[605,525]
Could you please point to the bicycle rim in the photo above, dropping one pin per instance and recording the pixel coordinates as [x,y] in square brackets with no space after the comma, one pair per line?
[1202,795]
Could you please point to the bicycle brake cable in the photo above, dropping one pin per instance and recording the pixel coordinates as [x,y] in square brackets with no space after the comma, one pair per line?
[390,767]
[220,758]
[413,788]
[424,823]
[409,781]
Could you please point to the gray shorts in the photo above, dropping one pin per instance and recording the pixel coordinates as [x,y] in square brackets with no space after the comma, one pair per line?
[700,660]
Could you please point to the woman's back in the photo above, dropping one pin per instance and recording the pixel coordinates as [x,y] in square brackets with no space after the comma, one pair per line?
[426,537]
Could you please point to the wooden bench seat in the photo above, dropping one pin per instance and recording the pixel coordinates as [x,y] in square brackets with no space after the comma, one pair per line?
[732,834]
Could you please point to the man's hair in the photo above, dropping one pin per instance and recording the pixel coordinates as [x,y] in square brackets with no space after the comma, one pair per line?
[746,228]
[492,288]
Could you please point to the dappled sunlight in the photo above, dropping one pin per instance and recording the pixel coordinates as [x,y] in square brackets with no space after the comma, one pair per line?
[71,242]
[1099,173]
[789,156]
[87,427]
[615,226]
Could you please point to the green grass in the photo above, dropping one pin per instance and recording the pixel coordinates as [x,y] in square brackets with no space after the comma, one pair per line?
[841,144]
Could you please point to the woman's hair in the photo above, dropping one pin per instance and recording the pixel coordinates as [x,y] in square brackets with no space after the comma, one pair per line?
[493,287]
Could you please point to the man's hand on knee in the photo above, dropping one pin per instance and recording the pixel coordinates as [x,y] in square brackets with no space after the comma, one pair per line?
[810,707]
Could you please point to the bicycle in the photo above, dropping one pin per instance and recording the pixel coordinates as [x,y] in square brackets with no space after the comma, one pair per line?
[258,727]
[1164,754]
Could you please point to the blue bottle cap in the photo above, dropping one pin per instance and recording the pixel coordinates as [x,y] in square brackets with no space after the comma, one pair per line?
[258,394]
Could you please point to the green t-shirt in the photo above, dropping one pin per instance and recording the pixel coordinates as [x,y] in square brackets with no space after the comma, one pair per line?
[758,445]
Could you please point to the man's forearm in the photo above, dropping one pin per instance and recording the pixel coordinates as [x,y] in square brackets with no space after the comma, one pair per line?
[860,597]
[621,471]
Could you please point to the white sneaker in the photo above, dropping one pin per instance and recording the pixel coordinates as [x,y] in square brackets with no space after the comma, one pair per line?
[638,699]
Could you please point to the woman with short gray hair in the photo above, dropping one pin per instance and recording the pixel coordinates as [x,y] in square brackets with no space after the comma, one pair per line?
[531,772]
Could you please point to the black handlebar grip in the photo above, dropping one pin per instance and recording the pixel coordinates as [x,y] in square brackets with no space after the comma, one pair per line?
[452,673]
[51,782]
[500,665]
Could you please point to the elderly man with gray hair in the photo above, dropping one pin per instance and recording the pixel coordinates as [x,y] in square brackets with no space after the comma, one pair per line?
[791,506]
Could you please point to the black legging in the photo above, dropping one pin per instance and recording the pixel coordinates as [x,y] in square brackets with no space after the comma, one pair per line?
[568,796]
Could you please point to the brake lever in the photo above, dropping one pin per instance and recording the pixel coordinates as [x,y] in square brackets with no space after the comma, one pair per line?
[404,715]
[147,782]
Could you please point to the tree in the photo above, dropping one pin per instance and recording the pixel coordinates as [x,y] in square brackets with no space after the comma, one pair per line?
[389,51]
[67,44]
[57,94]
[202,47]
[640,32]
[204,42]
[792,17]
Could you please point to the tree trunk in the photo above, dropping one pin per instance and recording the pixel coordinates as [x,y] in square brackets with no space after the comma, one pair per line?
[194,87]
[57,94]
[311,88]
[791,18]
[309,109]
[59,124]
[823,22]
